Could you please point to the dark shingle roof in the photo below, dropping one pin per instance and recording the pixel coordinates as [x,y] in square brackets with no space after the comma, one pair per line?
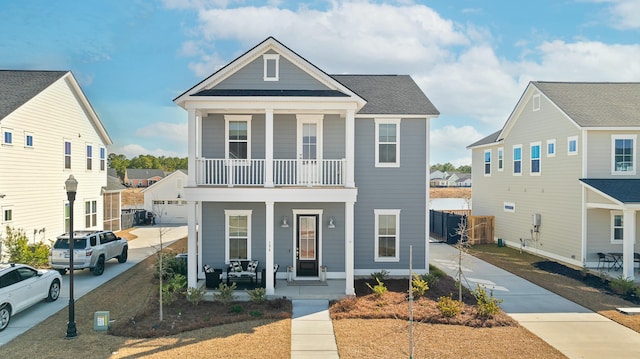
[623,190]
[113,184]
[492,138]
[18,87]
[298,93]
[389,94]
[143,173]
[596,104]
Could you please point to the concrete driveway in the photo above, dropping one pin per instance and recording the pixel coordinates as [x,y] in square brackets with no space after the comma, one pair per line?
[147,243]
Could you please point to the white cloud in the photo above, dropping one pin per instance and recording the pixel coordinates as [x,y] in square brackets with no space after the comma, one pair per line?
[133,150]
[625,14]
[448,144]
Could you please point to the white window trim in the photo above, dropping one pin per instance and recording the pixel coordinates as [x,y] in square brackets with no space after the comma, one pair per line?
[500,159]
[531,145]
[613,218]
[569,139]
[509,207]
[64,154]
[232,212]
[536,102]
[613,154]
[265,59]
[10,131]
[230,118]
[27,134]
[555,148]
[377,213]
[103,160]
[91,214]
[381,121]
[87,157]
[513,170]
[484,163]
[3,209]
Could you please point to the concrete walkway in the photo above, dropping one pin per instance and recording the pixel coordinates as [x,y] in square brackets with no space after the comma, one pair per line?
[575,331]
[312,331]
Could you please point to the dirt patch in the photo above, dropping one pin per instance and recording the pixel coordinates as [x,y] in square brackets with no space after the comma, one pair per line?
[132,197]
[449,192]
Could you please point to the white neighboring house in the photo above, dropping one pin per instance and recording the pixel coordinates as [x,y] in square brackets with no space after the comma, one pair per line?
[49,131]
[165,198]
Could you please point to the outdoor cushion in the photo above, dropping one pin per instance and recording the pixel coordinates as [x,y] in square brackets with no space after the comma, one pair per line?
[235,266]
[251,267]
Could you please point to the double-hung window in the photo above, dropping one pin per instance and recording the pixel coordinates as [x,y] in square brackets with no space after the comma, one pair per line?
[67,154]
[487,162]
[89,157]
[535,158]
[500,159]
[91,214]
[103,152]
[623,150]
[387,151]
[238,135]
[237,234]
[387,235]
[617,227]
[517,160]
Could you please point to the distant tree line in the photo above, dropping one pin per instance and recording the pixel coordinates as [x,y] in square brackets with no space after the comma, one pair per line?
[448,167]
[169,164]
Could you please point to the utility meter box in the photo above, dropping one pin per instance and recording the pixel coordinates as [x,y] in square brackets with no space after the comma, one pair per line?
[101,321]
[535,221]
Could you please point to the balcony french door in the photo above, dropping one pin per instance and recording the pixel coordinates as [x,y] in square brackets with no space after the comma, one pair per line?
[309,150]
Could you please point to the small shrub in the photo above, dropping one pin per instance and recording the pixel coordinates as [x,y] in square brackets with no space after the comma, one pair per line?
[236,309]
[433,277]
[380,276]
[487,304]
[379,289]
[172,288]
[257,295]
[621,285]
[195,295]
[419,286]
[225,293]
[255,313]
[168,256]
[449,307]
[20,251]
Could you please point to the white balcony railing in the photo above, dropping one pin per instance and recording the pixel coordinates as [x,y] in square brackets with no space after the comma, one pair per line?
[223,172]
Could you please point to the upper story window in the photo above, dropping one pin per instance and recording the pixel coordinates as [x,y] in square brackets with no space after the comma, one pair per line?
[617,227]
[67,154]
[623,151]
[238,234]
[572,145]
[551,148]
[387,230]
[28,139]
[535,158]
[487,162]
[271,67]
[387,150]
[500,159]
[536,102]
[7,136]
[103,153]
[238,135]
[517,159]
[89,157]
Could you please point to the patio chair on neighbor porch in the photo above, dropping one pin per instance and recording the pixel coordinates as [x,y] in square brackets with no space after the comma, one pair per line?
[604,259]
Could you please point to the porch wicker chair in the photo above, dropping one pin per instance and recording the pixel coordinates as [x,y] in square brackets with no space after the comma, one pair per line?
[603,260]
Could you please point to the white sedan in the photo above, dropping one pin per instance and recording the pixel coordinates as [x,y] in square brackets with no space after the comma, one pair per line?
[22,286]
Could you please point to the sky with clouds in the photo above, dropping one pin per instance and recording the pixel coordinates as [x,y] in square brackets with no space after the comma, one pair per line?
[472,58]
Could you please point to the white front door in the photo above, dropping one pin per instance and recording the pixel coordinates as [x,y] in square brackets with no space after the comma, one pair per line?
[309,149]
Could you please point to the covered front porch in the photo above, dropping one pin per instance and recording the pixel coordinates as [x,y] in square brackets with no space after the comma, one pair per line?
[330,290]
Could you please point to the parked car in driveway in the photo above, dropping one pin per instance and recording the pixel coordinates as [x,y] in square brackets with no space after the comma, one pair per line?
[91,249]
[22,286]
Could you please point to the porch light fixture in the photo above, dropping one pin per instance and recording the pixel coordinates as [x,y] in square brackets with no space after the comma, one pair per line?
[284,223]
[331,223]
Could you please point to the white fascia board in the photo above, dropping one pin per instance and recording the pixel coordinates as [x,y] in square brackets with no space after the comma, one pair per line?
[400,115]
[297,195]
[261,103]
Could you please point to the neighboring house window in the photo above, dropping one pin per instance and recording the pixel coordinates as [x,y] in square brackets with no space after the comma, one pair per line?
[271,67]
[67,154]
[509,207]
[387,149]
[387,239]
[535,158]
[7,215]
[67,217]
[91,214]
[487,163]
[500,159]
[28,140]
[551,148]
[7,136]
[572,145]
[623,150]
[238,130]
[536,102]
[617,226]
[103,152]
[89,156]
[517,159]
[238,234]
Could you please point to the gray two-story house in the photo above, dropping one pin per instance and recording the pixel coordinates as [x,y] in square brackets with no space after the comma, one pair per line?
[323,175]
[561,177]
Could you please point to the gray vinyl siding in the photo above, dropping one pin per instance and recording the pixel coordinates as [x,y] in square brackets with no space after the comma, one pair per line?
[556,193]
[402,188]
[600,154]
[285,131]
[213,136]
[291,77]
[333,137]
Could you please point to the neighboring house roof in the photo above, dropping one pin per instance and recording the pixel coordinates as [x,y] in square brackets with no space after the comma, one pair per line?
[112,172]
[389,94]
[492,138]
[143,173]
[167,179]
[17,87]
[622,190]
[113,185]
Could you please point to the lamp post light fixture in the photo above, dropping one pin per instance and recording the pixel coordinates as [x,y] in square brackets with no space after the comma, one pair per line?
[71,186]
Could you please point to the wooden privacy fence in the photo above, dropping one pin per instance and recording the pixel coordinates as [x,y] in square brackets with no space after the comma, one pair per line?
[443,225]
[480,229]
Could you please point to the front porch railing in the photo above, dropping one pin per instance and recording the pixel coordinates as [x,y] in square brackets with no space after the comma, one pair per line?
[287,172]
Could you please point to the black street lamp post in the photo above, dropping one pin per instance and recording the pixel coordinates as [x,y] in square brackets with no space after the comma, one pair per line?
[71,185]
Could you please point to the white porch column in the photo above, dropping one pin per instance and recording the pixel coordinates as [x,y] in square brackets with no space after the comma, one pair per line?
[629,236]
[348,249]
[192,246]
[269,235]
[268,148]
[350,148]
[192,135]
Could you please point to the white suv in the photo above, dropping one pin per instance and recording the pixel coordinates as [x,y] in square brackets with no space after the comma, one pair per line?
[90,250]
